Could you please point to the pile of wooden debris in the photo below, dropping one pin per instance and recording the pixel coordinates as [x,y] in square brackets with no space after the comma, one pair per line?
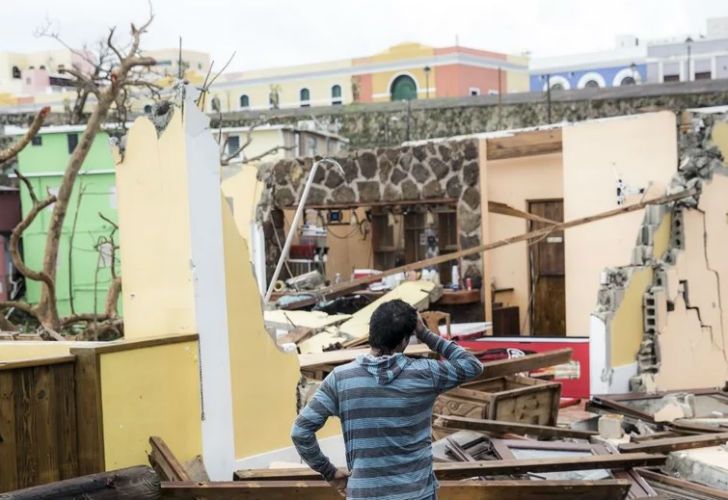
[505,435]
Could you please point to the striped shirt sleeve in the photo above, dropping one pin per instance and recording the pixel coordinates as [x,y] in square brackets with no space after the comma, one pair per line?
[458,367]
[323,405]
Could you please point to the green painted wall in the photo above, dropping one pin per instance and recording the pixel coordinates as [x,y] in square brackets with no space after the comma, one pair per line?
[82,269]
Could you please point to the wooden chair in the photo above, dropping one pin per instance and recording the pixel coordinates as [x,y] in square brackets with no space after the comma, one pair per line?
[432,320]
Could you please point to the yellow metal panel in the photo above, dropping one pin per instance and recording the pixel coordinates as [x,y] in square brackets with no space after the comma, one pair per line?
[627,326]
[264,378]
[152,391]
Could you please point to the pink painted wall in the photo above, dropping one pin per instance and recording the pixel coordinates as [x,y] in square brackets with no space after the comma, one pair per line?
[4,267]
[455,80]
[366,88]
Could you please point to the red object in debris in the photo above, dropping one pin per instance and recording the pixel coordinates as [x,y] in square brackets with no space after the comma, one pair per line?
[566,402]
[302,252]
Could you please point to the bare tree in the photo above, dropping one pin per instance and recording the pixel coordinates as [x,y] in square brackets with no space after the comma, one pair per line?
[115,74]
[225,159]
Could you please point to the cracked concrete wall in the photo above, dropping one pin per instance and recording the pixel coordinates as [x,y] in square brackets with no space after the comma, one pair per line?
[679,311]
[642,151]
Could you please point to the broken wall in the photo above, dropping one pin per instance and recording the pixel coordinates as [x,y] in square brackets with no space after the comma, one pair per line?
[663,316]
[642,151]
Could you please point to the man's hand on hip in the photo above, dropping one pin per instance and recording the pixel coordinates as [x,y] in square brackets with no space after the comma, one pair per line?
[340,481]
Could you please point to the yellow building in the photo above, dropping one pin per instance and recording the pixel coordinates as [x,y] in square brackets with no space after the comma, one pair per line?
[405,71]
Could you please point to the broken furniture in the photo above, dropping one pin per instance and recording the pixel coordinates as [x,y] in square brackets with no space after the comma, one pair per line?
[433,318]
[507,399]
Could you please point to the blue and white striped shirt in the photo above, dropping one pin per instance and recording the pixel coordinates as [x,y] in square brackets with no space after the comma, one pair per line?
[385,407]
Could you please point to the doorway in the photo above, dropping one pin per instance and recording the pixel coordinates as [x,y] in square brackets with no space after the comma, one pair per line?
[547,311]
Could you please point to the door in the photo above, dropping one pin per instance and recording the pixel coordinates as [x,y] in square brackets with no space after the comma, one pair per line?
[546,265]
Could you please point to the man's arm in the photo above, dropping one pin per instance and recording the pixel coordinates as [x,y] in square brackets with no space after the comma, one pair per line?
[323,405]
[459,365]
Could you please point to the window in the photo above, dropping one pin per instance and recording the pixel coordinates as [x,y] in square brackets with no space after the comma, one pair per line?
[31,67]
[403,88]
[147,108]
[42,67]
[474,91]
[72,140]
[244,101]
[671,78]
[61,66]
[312,146]
[16,73]
[703,75]
[233,144]
[305,97]
[627,80]
[37,140]
[591,84]
[336,94]
[557,86]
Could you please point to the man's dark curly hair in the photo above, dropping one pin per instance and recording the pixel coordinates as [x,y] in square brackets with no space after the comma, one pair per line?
[391,323]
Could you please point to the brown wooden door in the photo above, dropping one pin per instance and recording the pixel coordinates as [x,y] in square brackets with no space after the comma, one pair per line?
[546,265]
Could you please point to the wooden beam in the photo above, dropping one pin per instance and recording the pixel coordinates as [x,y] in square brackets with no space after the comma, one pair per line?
[351,285]
[667,445]
[165,463]
[89,412]
[503,367]
[133,483]
[496,426]
[682,486]
[495,207]
[464,470]
[607,489]
[346,355]
[526,143]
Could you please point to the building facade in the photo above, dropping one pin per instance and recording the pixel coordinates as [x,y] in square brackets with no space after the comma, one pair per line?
[624,65]
[403,72]
[29,81]
[83,270]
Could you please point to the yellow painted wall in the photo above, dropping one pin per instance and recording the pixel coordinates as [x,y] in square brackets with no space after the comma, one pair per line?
[244,190]
[515,181]
[627,326]
[158,295]
[264,379]
[13,351]
[640,148]
[381,81]
[153,391]
[263,140]
[720,137]
[661,237]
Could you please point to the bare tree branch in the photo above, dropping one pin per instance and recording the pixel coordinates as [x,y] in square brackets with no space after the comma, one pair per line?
[8,154]
[271,151]
[112,298]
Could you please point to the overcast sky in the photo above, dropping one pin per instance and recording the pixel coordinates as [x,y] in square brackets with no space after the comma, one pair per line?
[267,33]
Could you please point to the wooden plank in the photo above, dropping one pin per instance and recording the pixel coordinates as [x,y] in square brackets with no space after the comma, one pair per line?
[27,465]
[127,345]
[495,207]
[667,445]
[682,485]
[134,483]
[650,437]
[29,363]
[165,463]
[511,366]
[470,468]
[542,431]
[44,426]
[346,355]
[64,404]
[8,440]
[89,412]
[449,490]
[354,284]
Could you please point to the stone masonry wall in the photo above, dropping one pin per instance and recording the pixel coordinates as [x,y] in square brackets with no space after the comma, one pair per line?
[387,124]
[445,170]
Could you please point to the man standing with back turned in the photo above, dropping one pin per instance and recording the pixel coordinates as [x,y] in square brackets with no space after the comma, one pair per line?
[384,401]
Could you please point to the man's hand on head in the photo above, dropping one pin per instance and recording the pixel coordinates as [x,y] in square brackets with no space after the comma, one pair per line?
[420,329]
[340,481]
